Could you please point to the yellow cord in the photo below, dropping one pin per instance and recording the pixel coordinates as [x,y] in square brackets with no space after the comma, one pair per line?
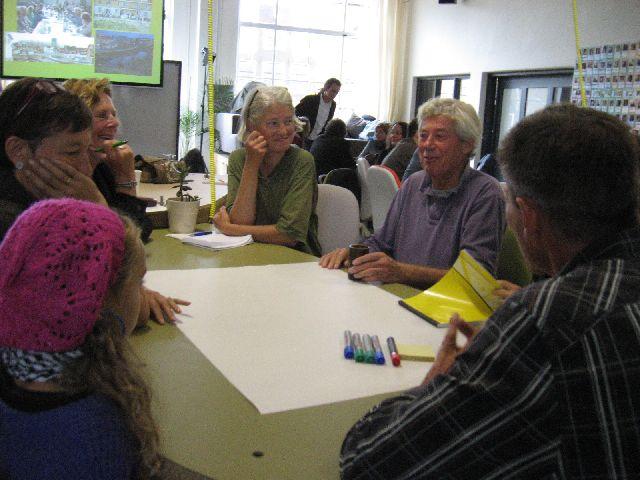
[211,113]
[583,92]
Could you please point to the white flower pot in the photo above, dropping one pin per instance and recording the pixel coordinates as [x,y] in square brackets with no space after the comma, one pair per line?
[182,215]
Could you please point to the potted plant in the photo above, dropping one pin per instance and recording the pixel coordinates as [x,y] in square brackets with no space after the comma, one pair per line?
[182,210]
[189,125]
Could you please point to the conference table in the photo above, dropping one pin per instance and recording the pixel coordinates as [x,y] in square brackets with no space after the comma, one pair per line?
[207,426]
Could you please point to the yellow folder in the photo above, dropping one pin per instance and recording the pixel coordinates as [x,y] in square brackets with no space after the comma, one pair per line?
[467,289]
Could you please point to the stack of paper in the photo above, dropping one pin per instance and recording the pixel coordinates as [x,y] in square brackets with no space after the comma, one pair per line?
[218,241]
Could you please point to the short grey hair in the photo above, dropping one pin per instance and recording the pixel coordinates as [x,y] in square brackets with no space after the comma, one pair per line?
[257,103]
[581,166]
[465,119]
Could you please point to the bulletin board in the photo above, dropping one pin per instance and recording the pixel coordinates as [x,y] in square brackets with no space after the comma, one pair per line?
[612,81]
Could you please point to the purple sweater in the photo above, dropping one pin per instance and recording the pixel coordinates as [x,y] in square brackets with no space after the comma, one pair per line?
[429,227]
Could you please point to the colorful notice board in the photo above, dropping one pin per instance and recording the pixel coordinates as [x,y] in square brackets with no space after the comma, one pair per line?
[612,81]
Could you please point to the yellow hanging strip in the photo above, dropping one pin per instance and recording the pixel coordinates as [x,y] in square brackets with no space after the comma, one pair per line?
[210,112]
[583,92]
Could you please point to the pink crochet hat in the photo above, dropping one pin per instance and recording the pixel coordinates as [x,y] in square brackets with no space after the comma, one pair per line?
[58,260]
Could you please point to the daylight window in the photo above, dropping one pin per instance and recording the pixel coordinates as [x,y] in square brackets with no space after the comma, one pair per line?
[301,44]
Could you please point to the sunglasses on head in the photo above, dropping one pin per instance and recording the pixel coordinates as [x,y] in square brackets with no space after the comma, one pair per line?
[39,87]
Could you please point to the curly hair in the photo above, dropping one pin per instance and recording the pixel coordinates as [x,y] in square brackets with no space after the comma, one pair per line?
[109,367]
[89,89]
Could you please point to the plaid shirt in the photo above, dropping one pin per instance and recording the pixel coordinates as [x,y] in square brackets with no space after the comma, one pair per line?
[549,388]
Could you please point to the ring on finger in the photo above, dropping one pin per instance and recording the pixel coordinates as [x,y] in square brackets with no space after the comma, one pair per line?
[68,180]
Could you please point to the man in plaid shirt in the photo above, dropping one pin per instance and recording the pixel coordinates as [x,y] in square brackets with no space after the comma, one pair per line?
[550,387]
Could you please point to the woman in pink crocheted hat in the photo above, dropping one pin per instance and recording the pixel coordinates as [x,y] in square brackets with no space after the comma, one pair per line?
[72,402]
[45,152]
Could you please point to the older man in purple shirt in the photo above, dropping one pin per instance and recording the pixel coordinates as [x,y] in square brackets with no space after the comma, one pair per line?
[439,211]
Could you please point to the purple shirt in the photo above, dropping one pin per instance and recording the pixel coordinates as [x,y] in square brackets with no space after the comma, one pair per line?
[429,227]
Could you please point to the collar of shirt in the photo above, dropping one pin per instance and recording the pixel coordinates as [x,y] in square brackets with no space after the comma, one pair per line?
[610,245]
[429,191]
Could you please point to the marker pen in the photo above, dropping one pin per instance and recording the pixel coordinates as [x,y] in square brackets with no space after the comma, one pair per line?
[348,345]
[357,343]
[119,143]
[393,352]
[376,345]
[200,234]
[369,356]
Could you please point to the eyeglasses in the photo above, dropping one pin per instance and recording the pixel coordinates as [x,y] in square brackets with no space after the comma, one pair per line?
[41,86]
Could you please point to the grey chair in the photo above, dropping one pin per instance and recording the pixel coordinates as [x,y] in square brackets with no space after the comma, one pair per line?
[382,188]
[338,217]
[365,200]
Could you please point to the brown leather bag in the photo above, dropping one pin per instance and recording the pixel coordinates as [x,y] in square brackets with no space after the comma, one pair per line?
[156,169]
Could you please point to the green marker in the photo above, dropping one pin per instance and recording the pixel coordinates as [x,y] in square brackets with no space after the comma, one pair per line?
[357,343]
[369,353]
[119,143]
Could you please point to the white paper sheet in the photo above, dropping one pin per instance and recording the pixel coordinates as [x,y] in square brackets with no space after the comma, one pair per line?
[276,331]
[214,240]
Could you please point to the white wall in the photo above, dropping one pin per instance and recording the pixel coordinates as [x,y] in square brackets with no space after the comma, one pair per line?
[479,36]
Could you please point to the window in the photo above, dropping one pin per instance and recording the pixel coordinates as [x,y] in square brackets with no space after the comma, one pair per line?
[451,86]
[299,45]
[513,96]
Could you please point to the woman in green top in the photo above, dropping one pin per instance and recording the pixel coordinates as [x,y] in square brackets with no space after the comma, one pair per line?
[272,192]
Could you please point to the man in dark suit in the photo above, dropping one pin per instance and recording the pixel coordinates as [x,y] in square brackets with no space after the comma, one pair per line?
[319,108]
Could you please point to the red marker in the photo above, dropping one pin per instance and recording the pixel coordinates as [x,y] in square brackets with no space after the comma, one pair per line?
[393,352]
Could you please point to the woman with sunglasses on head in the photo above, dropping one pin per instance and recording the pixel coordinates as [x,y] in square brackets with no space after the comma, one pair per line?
[45,134]
[272,190]
[72,401]
[46,152]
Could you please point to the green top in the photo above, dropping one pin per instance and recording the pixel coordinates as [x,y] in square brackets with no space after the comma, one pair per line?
[287,198]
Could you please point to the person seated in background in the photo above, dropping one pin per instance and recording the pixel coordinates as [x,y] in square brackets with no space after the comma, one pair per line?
[272,185]
[548,387]
[72,401]
[398,158]
[319,108]
[415,165]
[330,150]
[396,134]
[445,208]
[377,144]
[46,152]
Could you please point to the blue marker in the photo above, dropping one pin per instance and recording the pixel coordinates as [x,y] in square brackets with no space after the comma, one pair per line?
[200,234]
[379,355]
[348,345]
